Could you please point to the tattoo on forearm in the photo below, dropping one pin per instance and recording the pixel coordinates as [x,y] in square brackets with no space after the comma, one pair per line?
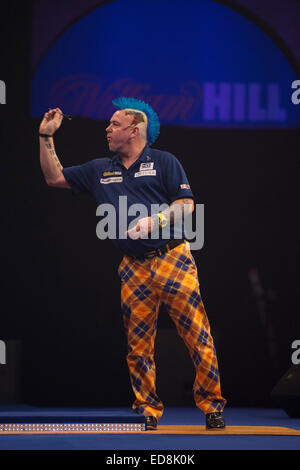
[53,154]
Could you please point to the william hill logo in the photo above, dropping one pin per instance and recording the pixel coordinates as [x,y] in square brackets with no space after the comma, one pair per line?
[111,173]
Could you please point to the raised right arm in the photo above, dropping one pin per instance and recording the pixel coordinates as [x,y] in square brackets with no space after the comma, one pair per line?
[50,164]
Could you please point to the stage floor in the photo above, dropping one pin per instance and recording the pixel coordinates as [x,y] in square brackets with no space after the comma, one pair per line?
[179,429]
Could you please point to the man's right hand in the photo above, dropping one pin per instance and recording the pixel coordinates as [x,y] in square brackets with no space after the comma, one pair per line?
[51,122]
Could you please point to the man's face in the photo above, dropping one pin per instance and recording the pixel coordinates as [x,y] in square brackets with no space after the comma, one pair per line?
[119,131]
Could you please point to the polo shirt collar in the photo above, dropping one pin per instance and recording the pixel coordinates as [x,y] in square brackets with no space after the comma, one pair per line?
[142,158]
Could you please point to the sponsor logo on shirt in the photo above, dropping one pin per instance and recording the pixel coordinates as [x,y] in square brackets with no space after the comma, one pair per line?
[113,179]
[185,186]
[147,166]
[111,173]
[145,173]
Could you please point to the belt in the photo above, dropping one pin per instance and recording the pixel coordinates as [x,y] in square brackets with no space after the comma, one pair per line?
[159,251]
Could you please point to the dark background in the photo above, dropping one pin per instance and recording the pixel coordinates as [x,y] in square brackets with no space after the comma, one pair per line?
[60,290]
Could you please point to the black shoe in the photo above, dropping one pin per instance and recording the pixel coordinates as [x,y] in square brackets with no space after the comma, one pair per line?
[151,423]
[215,421]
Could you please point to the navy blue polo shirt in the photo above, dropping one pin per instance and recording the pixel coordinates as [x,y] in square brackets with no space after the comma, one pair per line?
[157,177]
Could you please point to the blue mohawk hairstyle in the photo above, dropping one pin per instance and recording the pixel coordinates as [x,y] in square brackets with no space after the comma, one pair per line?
[153,126]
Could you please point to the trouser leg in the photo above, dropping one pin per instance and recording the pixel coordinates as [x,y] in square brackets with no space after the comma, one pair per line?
[181,295]
[140,305]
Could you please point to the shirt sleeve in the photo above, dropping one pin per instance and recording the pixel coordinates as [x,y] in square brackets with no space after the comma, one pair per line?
[80,177]
[176,182]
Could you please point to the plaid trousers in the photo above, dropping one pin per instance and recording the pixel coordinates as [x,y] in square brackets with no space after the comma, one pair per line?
[172,279]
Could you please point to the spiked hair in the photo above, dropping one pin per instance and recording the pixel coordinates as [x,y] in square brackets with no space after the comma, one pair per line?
[153,125]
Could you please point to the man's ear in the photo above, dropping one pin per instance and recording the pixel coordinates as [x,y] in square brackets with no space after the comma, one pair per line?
[136,131]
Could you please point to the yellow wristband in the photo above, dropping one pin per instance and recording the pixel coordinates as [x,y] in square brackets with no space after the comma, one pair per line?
[162,220]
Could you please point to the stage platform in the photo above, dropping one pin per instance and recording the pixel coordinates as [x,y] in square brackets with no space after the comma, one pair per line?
[179,428]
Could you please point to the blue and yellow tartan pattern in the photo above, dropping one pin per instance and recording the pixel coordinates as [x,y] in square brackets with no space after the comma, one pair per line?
[172,279]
